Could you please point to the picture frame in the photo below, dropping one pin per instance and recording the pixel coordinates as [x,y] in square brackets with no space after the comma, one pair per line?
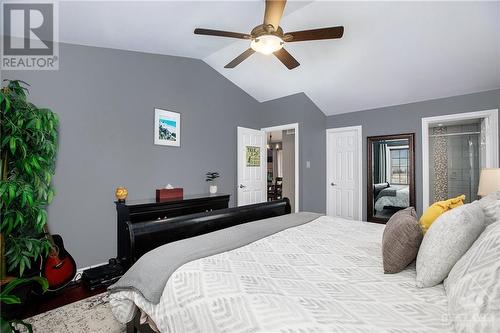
[252,156]
[167,128]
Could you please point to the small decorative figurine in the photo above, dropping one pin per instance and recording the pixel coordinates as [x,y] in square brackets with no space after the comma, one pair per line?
[121,194]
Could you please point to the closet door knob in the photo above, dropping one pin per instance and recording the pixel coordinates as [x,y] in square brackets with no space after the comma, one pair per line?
[333,184]
[242,186]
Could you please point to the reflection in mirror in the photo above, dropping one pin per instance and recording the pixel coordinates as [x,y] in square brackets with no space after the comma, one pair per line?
[390,175]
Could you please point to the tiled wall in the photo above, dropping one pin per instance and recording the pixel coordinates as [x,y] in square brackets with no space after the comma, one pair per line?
[455,162]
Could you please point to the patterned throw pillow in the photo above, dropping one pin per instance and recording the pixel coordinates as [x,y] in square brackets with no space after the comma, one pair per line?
[401,240]
[473,286]
[445,243]
[437,209]
[491,207]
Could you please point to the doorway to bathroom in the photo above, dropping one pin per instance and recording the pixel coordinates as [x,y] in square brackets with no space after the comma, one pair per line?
[454,150]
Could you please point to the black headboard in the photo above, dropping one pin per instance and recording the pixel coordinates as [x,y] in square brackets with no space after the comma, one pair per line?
[145,236]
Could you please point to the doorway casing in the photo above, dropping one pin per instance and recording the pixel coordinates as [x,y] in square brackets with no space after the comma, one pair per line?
[295,127]
[491,116]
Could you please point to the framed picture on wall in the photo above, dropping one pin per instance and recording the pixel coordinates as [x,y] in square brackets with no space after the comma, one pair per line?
[167,128]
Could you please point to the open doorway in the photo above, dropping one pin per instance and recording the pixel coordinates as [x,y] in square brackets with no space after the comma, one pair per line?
[282,164]
[454,150]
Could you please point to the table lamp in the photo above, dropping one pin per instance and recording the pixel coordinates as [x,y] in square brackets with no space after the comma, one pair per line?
[489,181]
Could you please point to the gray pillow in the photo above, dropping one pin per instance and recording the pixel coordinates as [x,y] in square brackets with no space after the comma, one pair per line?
[491,207]
[473,286]
[401,240]
[446,241]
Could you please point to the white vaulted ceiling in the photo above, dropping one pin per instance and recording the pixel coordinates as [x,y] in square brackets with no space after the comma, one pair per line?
[391,53]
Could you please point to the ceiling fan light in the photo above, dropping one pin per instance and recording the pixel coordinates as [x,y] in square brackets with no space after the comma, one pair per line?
[267,44]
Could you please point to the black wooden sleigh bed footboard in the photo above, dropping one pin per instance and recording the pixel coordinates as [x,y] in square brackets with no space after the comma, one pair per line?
[146,236]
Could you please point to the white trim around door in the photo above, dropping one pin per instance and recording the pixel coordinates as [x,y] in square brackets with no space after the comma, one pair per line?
[491,142]
[294,126]
[359,173]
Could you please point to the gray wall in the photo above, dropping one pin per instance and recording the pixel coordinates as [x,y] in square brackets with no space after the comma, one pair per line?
[300,109]
[106,99]
[407,119]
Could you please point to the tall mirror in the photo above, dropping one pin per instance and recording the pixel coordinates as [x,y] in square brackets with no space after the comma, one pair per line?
[391,175]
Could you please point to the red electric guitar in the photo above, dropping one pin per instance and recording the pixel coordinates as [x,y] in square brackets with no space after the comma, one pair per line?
[59,268]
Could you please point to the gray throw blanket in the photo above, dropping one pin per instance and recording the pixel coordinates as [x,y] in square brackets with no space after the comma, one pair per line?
[150,273]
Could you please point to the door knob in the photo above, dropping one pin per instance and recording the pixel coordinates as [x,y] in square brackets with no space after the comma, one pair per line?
[333,184]
[242,186]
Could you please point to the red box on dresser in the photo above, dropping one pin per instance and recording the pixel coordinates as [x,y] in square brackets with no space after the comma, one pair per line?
[166,193]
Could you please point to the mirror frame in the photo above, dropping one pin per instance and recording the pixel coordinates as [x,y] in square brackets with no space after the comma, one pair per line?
[369,168]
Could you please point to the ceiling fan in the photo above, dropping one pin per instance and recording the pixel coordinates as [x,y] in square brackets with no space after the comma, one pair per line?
[269,38]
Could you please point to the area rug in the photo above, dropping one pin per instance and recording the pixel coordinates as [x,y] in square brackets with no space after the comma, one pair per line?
[90,315]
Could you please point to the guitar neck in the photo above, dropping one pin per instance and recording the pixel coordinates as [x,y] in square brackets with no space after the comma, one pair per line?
[49,235]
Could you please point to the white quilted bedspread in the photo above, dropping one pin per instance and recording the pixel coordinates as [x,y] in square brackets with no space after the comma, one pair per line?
[324,276]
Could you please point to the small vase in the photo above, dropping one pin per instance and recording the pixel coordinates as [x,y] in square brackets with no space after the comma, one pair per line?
[213,189]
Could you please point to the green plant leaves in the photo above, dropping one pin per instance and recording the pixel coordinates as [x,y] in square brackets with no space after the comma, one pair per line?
[4,102]
[7,298]
[50,195]
[12,145]
[28,146]
[19,281]
[24,250]
[211,176]
[41,219]
[5,326]
[10,299]
[12,191]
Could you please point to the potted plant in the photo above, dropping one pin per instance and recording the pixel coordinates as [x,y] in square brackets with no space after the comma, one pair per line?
[28,145]
[8,298]
[211,178]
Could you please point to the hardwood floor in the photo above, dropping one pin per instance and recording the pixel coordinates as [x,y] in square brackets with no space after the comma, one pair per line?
[49,301]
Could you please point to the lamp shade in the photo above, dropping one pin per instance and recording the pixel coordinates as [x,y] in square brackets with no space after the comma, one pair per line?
[489,182]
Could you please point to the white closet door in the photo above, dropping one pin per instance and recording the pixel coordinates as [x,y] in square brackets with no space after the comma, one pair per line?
[343,163]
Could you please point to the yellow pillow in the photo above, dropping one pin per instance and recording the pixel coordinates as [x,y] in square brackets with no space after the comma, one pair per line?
[438,208]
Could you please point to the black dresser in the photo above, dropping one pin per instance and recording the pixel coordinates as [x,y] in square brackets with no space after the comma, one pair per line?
[137,211]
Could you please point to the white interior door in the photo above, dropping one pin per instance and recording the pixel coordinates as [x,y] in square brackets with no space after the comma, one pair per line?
[252,161]
[344,172]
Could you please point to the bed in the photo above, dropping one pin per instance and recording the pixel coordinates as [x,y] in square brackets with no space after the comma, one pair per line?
[321,276]
[393,197]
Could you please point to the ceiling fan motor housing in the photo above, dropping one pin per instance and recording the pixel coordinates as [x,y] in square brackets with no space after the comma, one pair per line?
[266,29]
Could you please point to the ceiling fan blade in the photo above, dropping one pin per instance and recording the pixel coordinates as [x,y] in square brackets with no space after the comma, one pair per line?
[274,11]
[286,58]
[236,61]
[220,33]
[314,34]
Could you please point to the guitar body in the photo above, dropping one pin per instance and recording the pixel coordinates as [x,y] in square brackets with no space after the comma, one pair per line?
[59,268]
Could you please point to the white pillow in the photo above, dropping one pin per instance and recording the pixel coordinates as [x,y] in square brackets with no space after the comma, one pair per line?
[491,207]
[473,286]
[446,241]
